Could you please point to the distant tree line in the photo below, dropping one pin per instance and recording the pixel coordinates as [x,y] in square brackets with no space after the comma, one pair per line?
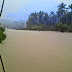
[59,21]
[42,18]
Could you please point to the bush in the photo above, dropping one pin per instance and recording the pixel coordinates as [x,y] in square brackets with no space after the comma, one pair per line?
[61,27]
[2,36]
[39,27]
[70,29]
[2,29]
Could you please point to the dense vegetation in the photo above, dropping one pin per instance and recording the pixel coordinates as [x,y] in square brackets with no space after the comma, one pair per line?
[2,34]
[2,29]
[59,21]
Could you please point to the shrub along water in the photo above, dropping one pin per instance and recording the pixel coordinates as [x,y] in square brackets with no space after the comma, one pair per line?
[62,28]
[2,29]
[2,34]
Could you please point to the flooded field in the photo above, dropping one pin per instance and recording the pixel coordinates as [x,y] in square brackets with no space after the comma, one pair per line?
[34,51]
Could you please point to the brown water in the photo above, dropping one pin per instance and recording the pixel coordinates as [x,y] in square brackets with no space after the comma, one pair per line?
[33,51]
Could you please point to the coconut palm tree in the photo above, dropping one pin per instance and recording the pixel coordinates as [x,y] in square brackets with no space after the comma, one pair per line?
[61,10]
[2,7]
[70,6]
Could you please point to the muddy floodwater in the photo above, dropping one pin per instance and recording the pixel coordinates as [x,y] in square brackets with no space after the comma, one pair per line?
[34,51]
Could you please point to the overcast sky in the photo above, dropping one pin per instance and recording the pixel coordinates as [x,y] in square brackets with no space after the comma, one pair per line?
[20,9]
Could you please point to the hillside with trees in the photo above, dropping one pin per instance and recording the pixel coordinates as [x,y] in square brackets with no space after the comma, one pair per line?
[59,21]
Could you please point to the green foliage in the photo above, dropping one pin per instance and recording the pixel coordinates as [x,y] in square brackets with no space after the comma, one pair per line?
[42,18]
[61,10]
[2,29]
[40,27]
[45,21]
[67,18]
[61,27]
[2,36]
[70,6]
[70,29]
[36,18]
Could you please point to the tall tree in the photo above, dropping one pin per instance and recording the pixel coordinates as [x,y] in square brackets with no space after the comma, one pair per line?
[46,18]
[33,19]
[53,18]
[61,10]
[41,17]
[2,7]
[67,18]
[70,6]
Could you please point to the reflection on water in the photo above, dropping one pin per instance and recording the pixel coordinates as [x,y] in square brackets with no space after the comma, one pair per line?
[33,51]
